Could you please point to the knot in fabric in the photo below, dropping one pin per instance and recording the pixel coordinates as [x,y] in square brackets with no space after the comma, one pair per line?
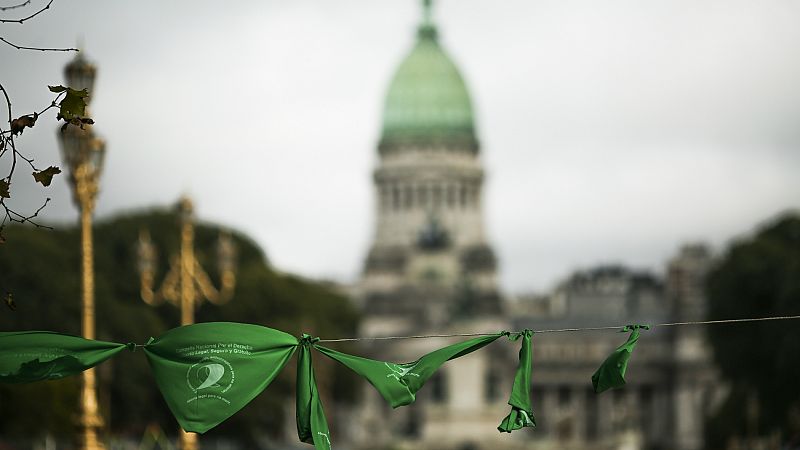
[307,340]
[516,335]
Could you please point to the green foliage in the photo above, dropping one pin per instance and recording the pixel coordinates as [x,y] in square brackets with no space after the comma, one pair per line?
[74,102]
[72,108]
[759,276]
[42,270]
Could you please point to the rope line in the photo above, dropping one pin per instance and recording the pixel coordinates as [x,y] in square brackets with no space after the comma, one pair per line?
[563,330]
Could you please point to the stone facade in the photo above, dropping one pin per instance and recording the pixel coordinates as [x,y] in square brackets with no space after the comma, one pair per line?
[672,382]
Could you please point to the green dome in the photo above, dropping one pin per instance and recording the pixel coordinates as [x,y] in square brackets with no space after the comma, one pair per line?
[427,99]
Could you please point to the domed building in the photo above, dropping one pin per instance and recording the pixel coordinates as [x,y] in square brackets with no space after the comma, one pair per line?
[430,260]
[431,270]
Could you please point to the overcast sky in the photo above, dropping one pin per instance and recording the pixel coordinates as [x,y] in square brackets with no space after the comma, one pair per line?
[612,131]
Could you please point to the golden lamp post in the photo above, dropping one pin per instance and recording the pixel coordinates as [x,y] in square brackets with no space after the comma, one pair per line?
[186,283]
[83,153]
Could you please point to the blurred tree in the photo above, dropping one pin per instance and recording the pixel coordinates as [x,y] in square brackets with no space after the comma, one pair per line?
[41,267]
[758,276]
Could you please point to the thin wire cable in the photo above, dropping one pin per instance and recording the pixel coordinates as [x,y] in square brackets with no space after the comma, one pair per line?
[423,336]
[711,322]
[563,330]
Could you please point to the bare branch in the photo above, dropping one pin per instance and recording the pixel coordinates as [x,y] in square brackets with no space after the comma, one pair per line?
[13,216]
[27,160]
[16,126]
[14,154]
[41,49]
[24,19]
[21,5]
[46,201]
[7,143]
[8,103]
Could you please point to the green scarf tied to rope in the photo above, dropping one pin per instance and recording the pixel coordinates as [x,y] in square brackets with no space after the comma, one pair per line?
[209,371]
[521,414]
[611,374]
[29,356]
[312,427]
[399,383]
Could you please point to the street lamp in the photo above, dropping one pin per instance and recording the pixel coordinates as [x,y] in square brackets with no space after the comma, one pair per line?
[80,74]
[83,154]
[186,284]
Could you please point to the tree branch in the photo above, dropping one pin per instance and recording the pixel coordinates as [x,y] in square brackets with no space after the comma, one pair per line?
[41,49]
[16,126]
[8,103]
[46,7]
[7,143]
[13,216]
[21,5]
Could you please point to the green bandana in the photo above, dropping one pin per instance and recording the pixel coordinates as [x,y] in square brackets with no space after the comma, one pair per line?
[399,383]
[521,414]
[209,371]
[41,355]
[611,374]
[312,427]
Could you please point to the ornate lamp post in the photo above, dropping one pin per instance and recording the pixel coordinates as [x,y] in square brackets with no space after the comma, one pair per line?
[83,154]
[186,284]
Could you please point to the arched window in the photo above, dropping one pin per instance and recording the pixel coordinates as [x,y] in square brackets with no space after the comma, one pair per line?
[468,195]
[491,386]
[592,411]
[413,425]
[395,197]
[564,395]
[383,191]
[451,196]
[439,387]
[422,194]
